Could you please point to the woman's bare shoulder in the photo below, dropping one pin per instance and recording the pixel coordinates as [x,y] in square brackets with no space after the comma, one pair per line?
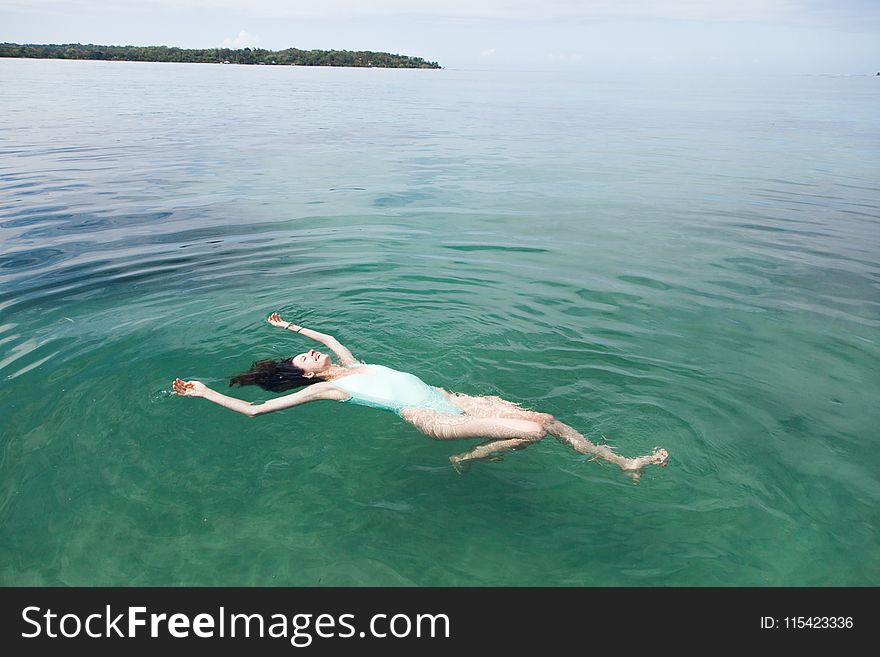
[347,360]
[326,390]
[352,369]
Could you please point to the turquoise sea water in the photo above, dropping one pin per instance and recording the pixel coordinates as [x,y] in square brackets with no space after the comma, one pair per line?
[685,262]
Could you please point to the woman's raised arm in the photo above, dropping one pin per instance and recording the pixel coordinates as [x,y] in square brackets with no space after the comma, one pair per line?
[328,341]
[314,392]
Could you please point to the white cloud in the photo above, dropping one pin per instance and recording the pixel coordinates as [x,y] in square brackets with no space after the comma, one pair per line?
[488,52]
[714,10]
[565,56]
[243,40]
[665,59]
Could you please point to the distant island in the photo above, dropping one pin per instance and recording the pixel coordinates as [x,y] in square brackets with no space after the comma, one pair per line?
[289,57]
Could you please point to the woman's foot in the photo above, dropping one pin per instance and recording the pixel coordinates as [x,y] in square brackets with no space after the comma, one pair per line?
[460,462]
[634,467]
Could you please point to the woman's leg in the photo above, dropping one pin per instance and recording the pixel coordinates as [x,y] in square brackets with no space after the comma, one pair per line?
[442,426]
[572,438]
[506,433]
[510,433]
[492,406]
[580,444]
[488,451]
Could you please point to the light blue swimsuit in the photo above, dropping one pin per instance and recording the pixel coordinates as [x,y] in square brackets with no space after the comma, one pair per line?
[382,387]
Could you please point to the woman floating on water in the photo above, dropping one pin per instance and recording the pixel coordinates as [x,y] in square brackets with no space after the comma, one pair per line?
[433,411]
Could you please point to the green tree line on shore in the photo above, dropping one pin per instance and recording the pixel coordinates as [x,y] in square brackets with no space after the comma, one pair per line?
[290,56]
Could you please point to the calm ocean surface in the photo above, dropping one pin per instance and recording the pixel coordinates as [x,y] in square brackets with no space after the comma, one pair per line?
[685,262]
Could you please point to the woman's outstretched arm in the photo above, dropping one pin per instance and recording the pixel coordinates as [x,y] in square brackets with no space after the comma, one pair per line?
[313,393]
[328,341]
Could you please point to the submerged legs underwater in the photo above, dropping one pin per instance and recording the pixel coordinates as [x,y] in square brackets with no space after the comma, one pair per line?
[510,427]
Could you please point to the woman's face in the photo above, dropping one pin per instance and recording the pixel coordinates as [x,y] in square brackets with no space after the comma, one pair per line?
[312,362]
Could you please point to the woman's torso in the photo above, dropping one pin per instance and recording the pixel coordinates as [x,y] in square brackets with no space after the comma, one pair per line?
[378,386]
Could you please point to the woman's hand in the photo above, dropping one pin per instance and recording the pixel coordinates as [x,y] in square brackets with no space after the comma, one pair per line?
[189,388]
[275,320]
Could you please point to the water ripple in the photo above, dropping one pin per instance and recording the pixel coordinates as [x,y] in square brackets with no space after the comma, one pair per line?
[652,264]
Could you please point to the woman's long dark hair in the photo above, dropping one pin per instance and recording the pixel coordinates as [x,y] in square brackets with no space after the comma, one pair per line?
[273,375]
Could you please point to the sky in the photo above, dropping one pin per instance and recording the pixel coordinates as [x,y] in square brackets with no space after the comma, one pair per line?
[646,36]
